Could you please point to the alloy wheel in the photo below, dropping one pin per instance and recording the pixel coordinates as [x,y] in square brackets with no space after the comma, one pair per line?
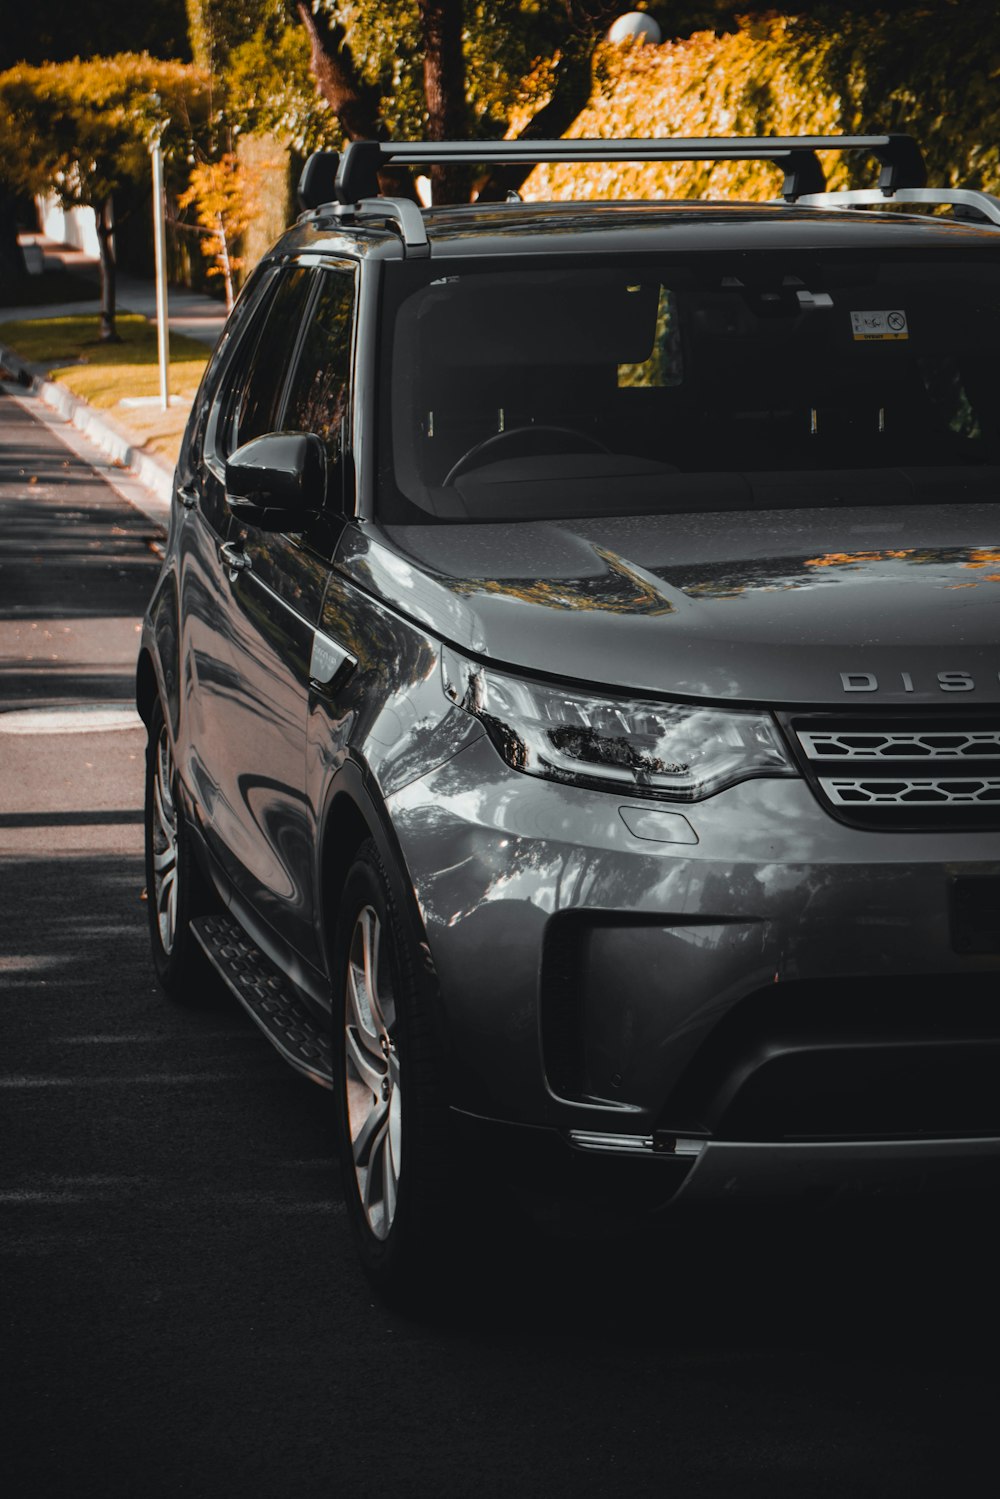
[164,830]
[374,1100]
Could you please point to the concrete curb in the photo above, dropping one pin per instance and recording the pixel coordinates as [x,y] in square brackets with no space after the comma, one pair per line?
[149,472]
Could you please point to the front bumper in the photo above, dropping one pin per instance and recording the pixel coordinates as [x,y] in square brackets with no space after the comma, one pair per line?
[612,1182]
[585,962]
[742,1169]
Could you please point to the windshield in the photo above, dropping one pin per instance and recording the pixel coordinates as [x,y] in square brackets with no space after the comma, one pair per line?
[754,381]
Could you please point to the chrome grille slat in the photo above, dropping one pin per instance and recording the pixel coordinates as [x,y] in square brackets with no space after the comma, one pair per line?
[904,771]
[867,744]
[922,791]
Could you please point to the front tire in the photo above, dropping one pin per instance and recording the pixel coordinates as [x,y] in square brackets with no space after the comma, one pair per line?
[176,890]
[393,1138]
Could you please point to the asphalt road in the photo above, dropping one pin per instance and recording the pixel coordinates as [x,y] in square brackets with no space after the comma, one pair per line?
[180,1311]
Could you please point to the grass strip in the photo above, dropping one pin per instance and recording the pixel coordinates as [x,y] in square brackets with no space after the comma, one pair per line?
[69,349]
[76,340]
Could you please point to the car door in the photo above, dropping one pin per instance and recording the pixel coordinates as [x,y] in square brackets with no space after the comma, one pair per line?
[201,522]
[297,378]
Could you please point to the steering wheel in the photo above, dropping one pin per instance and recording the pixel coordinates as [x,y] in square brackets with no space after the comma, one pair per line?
[553,440]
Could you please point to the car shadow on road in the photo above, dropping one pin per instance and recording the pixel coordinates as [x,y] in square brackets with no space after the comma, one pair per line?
[180,1281]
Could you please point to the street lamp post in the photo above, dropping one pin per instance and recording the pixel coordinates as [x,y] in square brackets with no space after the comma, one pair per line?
[160,250]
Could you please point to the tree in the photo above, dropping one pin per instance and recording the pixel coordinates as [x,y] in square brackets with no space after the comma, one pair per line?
[82,130]
[225,196]
[444,86]
[217,27]
[318,71]
[270,88]
[442,69]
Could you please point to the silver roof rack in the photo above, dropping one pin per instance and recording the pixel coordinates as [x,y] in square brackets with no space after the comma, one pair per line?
[982,204]
[901,159]
[345,184]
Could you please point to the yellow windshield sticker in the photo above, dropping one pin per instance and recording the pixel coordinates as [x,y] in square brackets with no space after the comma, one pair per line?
[868,326]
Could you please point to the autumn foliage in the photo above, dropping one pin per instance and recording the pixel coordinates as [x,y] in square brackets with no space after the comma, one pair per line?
[82,130]
[224,196]
[931,71]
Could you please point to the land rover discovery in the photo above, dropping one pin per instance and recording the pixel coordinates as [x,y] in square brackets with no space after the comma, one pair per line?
[573,682]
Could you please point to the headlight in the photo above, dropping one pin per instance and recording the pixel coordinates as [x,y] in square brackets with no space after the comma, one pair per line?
[640,747]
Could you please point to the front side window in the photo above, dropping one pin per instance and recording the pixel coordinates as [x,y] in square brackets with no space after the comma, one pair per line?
[259,386]
[319,391]
[695,383]
[248,307]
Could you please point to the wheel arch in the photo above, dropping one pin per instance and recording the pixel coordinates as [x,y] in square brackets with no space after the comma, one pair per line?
[147,687]
[157,672]
[345,829]
[354,812]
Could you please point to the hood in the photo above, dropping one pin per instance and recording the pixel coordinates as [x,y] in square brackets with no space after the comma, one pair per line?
[831,606]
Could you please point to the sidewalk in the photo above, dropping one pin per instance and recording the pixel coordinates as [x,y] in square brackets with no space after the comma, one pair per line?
[191,313]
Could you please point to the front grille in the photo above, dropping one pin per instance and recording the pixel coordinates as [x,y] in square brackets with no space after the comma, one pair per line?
[936,771]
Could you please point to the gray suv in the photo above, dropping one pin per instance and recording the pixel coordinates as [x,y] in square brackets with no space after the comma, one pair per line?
[573,684]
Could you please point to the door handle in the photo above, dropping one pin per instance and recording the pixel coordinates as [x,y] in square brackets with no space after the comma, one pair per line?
[187,496]
[234,559]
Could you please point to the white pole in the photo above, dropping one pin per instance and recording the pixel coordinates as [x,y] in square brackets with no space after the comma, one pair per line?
[160,246]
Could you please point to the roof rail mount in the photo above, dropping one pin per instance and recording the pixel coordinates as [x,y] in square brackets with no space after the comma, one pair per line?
[964,201]
[355,172]
[318,180]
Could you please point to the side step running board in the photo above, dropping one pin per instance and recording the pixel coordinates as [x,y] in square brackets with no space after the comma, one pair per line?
[268,996]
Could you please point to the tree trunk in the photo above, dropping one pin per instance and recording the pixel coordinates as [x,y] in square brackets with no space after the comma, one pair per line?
[13,271]
[354,102]
[585,22]
[444,91]
[106,244]
[569,97]
[227,268]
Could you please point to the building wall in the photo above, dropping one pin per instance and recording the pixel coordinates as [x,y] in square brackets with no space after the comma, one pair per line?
[72,226]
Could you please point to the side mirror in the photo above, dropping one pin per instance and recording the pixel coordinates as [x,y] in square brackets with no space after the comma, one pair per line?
[278,481]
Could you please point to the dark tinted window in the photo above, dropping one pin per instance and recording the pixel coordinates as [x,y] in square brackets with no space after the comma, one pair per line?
[259,391]
[320,389]
[251,299]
